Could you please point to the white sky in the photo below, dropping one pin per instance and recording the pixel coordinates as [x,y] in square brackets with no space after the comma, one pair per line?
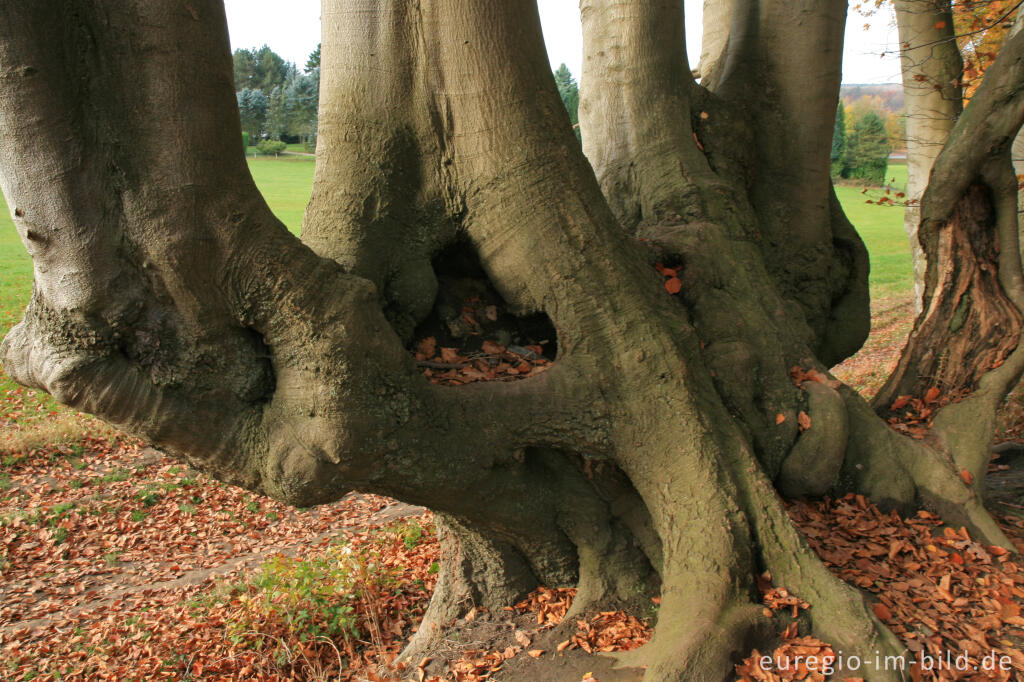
[292,30]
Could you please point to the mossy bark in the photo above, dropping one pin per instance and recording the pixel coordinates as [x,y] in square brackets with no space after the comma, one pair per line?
[170,301]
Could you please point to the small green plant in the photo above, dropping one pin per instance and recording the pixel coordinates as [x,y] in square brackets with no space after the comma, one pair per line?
[138,515]
[76,483]
[186,508]
[312,597]
[116,476]
[112,558]
[5,481]
[55,513]
[149,498]
[409,532]
[60,535]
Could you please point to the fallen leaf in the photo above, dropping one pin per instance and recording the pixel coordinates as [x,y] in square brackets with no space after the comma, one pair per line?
[900,402]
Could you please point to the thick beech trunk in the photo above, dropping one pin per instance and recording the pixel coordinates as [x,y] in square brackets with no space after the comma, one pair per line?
[932,68]
[170,301]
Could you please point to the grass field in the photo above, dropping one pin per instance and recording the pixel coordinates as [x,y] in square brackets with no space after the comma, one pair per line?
[286,183]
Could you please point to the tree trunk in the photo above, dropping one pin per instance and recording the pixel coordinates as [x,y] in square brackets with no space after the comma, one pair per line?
[717,19]
[170,301]
[932,68]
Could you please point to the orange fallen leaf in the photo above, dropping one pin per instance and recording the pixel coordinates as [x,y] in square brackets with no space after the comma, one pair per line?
[779,418]
[967,477]
[804,420]
[932,395]
[492,348]
[673,285]
[535,653]
[900,402]
[668,272]
[881,611]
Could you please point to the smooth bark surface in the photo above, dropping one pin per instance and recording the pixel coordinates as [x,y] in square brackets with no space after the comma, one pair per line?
[932,68]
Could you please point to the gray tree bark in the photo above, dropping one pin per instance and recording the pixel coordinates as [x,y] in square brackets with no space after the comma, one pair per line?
[171,302]
[932,67]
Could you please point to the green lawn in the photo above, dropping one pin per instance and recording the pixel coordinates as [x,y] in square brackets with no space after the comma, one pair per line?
[881,228]
[286,183]
[15,272]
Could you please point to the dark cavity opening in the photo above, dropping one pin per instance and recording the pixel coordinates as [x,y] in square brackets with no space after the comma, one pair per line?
[471,334]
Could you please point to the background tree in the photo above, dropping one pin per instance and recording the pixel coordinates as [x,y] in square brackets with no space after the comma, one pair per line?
[837,156]
[277,114]
[867,153]
[260,69]
[314,59]
[570,94]
[252,110]
[170,300]
[302,95]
